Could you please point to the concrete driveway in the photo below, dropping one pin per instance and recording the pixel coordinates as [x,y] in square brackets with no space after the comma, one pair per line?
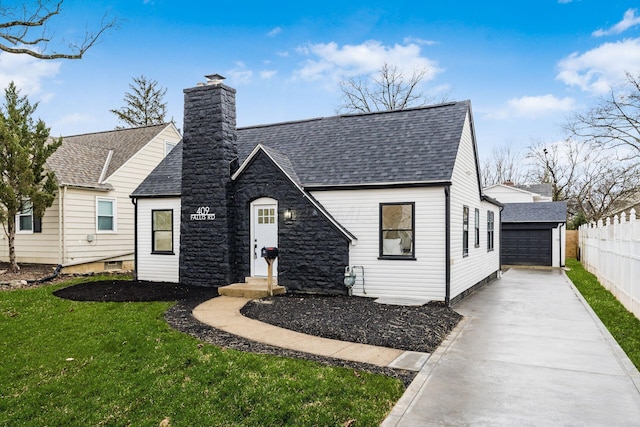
[530,352]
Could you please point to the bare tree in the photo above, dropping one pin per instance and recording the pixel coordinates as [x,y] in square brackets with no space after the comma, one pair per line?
[145,104]
[556,164]
[590,178]
[605,187]
[390,90]
[505,164]
[24,31]
[614,122]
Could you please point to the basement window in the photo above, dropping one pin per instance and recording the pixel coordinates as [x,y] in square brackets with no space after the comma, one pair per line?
[112,265]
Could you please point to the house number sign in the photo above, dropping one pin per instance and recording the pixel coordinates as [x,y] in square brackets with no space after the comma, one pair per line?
[202,214]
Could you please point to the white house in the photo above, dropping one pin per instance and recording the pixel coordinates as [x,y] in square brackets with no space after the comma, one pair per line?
[90,226]
[511,193]
[394,196]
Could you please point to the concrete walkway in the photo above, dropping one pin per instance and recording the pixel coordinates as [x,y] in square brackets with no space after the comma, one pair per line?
[223,313]
[530,352]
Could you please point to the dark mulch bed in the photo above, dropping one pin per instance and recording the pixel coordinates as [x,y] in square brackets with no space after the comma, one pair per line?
[346,318]
[134,291]
[358,319]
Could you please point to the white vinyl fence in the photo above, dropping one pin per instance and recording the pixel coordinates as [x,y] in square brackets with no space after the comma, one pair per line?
[611,251]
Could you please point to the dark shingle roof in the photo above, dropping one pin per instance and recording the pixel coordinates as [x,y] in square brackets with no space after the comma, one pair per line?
[165,179]
[80,160]
[545,190]
[535,212]
[413,145]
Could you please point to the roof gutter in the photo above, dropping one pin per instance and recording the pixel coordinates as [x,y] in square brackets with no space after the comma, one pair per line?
[377,185]
[106,188]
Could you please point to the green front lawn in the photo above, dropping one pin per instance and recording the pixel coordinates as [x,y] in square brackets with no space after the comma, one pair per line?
[622,324]
[66,363]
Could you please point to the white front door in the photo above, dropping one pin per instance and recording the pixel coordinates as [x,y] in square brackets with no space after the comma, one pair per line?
[264,220]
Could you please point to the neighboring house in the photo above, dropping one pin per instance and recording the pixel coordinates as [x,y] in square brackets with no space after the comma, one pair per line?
[396,194]
[534,234]
[90,226]
[630,202]
[510,193]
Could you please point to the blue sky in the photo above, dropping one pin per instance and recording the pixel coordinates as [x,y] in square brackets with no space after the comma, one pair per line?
[526,66]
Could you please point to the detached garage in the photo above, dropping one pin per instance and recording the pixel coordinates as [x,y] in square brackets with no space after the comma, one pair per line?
[534,234]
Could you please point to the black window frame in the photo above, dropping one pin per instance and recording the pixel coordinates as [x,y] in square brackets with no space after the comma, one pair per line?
[490,231]
[465,231]
[408,256]
[476,239]
[153,233]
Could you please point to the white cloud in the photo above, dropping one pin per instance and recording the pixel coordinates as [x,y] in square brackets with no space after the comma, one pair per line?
[274,32]
[27,73]
[240,74]
[628,20]
[598,69]
[420,41]
[267,74]
[537,106]
[564,1]
[533,107]
[330,62]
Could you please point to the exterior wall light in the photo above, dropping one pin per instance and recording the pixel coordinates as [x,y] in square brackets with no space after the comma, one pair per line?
[288,214]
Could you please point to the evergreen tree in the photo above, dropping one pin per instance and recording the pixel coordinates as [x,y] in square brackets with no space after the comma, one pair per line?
[144,104]
[24,148]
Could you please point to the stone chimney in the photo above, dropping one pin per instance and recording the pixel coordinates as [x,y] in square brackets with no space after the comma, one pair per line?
[209,151]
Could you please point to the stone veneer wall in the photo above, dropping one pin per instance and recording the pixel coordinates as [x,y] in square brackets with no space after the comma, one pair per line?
[209,150]
[313,253]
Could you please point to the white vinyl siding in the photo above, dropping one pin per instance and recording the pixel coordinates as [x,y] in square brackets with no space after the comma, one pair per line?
[358,211]
[158,267]
[467,270]
[36,247]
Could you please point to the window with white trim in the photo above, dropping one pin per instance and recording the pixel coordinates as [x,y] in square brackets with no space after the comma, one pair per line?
[105,215]
[24,219]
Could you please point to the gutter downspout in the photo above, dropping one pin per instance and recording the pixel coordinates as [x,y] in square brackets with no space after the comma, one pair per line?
[447,251]
[135,237]
[61,223]
[561,244]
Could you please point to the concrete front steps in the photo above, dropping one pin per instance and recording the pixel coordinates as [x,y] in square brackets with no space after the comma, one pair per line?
[254,288]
